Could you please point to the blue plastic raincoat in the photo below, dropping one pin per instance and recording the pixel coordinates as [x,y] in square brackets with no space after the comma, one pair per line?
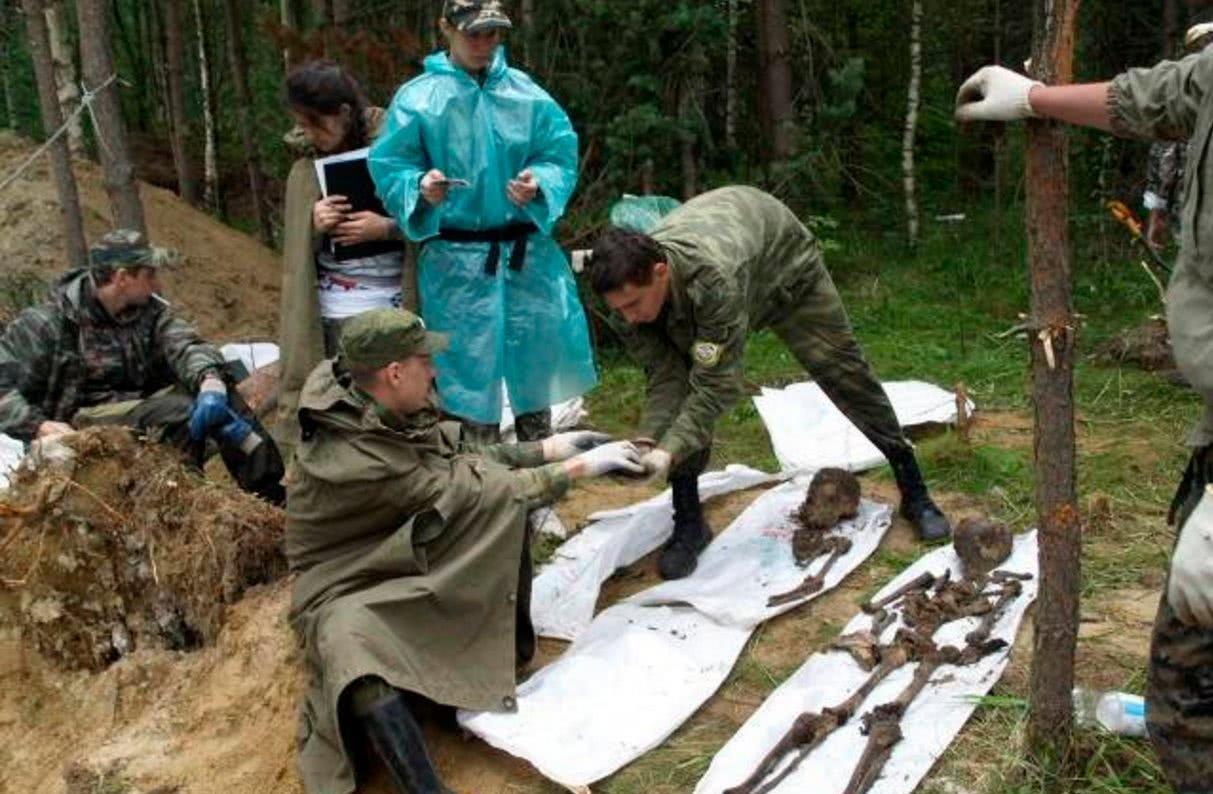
[524,325]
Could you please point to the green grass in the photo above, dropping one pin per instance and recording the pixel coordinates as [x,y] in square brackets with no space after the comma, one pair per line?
[17,290]
[941,316]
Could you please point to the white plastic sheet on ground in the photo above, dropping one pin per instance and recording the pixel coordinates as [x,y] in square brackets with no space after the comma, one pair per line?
[566,589]
[11,451]
[253,355]
[641,670]
[812,433]
[929,725]
[565,416]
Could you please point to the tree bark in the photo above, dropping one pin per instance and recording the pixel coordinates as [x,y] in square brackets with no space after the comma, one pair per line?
[1050,723]
[244,116]
[527,21]
[210,163]
[174,50]
[342,14]
[730,79]
[286,16]
[911,126]
[6,67]
[98,65]
[52,120]
[66,86]
[776,70]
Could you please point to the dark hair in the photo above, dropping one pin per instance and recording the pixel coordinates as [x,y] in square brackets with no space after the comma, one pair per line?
[321,88]
[622,256]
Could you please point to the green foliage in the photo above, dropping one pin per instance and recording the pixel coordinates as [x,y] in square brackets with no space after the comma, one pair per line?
[17,290]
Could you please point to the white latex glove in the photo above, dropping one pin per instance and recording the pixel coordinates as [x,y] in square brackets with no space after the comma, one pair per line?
[656,463]
[995,94]
[606,458]
[566,445]
[1190,586]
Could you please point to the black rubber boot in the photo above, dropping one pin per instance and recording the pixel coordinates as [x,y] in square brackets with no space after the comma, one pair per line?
[399,743]
[691,535]
[917,507]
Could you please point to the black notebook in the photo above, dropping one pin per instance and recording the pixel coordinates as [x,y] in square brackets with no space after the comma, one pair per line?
[347,175]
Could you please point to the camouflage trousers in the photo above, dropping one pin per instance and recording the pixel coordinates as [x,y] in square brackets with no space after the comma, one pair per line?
[534,426]
[814,325]
[1179,692]
[165,416]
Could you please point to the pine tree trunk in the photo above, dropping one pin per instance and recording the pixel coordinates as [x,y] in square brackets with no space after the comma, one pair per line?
[52,120]
[98,66]
[244,116]
[7,16]
[911,128]
[210,163]
[776,70]
[174,51]
[66,86]
[730,79]
[1050,723]
[286,17]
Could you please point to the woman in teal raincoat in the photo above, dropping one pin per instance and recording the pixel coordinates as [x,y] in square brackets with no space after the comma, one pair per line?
[478,162]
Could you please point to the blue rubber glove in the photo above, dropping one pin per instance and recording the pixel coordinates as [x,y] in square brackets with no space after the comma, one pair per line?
[235,431]
[210,408]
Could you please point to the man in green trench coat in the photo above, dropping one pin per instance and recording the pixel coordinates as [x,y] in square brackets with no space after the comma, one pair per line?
[411,552]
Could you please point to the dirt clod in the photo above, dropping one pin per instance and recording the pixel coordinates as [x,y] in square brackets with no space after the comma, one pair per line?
[116,545]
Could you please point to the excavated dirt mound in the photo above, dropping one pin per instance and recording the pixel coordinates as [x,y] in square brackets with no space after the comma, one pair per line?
[119,546]
[227,284]
[1147,346]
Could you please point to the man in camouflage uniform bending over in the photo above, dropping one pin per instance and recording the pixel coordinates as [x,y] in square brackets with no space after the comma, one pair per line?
[106,349]
[725,263]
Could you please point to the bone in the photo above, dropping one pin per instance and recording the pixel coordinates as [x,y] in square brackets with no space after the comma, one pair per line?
[1011,590]
[833,496]
[982,545]
[921,583]
[863,646]
[838,546]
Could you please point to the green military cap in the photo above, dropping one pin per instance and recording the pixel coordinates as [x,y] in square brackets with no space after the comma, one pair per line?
[469,16]
[376,338]
[128,248]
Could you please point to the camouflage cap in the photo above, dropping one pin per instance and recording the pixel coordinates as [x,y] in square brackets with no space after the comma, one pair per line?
[128,248]
[469,16]
[376,338]
[1198,36]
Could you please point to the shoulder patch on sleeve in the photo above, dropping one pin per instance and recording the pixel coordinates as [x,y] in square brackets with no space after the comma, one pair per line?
[706,354]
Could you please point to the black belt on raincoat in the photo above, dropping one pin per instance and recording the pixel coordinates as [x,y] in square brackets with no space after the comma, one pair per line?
[515,233]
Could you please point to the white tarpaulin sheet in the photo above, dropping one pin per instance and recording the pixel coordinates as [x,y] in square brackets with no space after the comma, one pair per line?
[640,671]
[929,725]
[11,451]
[253,355]
[566,589]
[809,433]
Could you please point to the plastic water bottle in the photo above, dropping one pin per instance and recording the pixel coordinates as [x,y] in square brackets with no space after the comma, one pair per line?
[1118,712]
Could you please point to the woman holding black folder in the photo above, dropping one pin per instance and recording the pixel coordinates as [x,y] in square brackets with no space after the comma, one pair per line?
[477,163]
[342,254]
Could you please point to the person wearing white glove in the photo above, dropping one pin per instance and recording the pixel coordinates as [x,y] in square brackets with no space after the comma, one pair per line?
[1168,101]
[565,445]
[605,459]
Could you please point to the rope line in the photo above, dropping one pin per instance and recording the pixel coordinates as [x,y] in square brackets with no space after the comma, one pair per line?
[86,103]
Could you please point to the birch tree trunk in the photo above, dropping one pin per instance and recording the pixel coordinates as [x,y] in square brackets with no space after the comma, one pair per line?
[52,120]
[67,89]
[911,128]
[286,16]
[210,165]
[98,66]
[776,70]
[244,116]
[527,22]
[174,50]
[1052,336]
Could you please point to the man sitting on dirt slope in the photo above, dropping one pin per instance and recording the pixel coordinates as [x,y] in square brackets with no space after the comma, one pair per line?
[411,550]
[106,349]
[727,262]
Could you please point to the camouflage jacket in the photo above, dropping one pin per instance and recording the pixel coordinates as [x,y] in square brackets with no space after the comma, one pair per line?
[69,353]
[1164,179]
[737,257]
[1172,101]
